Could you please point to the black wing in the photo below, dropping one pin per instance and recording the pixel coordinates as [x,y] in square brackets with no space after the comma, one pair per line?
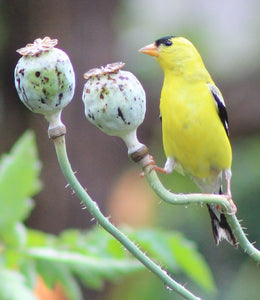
[220,104]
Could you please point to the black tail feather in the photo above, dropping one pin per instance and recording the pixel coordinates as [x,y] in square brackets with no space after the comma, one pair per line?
[220,227]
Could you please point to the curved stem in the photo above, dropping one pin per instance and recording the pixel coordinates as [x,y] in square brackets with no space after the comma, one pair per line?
[93,208]
[185,199]
[182,199]
[242,239]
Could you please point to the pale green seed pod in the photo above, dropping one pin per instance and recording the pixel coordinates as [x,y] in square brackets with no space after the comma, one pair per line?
[115,102]
[44,77]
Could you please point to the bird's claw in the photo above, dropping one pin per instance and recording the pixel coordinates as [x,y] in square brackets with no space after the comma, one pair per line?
[232,205]
[153,167]
[157,169]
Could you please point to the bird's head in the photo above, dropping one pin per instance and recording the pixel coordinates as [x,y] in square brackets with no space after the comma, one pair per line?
[172,52]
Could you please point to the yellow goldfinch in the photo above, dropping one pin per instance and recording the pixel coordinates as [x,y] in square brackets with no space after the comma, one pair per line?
[194,124]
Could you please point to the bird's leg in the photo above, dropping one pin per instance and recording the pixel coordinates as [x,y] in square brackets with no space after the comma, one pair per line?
[228,176]
[169,165]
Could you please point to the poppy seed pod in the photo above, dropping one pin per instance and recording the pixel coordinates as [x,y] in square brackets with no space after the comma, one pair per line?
[44,77]
[115,102]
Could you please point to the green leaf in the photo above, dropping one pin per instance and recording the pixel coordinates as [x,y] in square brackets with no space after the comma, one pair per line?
[177,254]
[92,270]
[96,242]
[28,270]
[53,272]
[14,235]
[90,279]
[13,286]
[168,248]
[97,271]
[36,238]
[108,260]
[94,256]
[192,263]
[19,181]
[156,244]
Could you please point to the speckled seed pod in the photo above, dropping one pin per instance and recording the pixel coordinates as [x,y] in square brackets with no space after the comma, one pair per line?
[44,77]
[115,102]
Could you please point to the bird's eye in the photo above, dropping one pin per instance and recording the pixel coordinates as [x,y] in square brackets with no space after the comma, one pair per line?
[168,43]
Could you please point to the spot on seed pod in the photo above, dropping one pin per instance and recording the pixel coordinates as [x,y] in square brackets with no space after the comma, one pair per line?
[21,72]
[120,115]
[104,91]
[104,109]
[121,87]
[91,116]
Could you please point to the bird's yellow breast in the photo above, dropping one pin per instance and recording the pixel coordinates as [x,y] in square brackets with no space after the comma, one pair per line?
[192,131]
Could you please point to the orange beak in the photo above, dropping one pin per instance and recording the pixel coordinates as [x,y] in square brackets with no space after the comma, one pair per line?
[151,49]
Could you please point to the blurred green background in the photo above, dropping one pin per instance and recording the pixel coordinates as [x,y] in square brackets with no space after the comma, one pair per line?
[94,33]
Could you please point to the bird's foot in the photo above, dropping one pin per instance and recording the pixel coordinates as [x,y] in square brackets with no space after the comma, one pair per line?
[153,166]
[232,205]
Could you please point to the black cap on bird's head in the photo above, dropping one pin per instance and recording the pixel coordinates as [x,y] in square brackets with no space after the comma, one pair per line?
[152,49]
[166,41]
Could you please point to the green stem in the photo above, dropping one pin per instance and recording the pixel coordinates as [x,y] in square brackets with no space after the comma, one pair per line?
[182,199]
[185,199]
[93,208]
[242,239]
